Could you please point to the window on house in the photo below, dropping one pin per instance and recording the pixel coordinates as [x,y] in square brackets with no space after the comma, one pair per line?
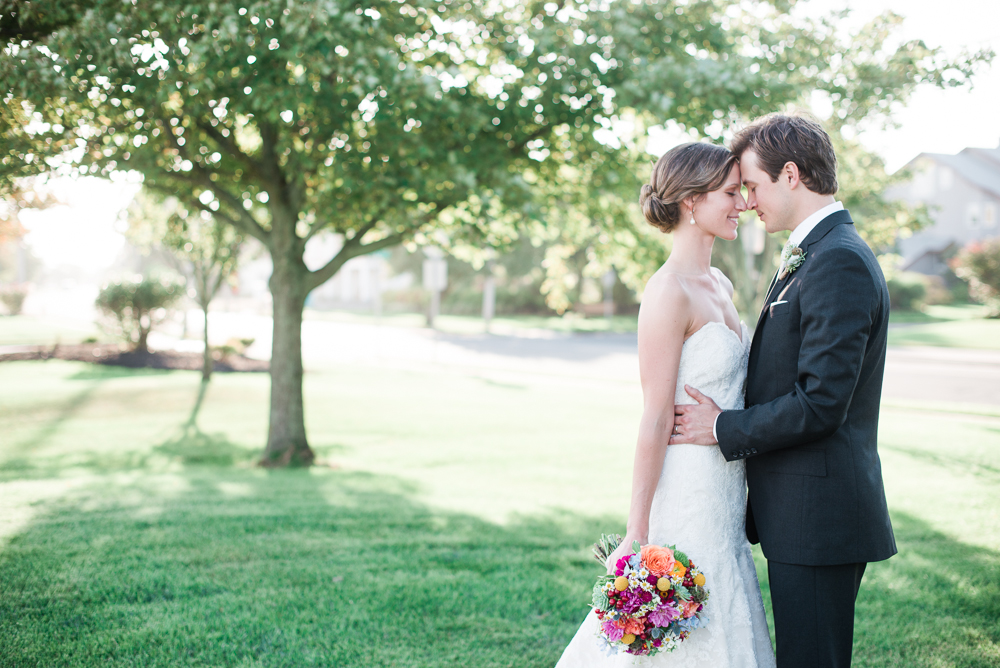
[990,215]
[924,180]
[945,178]
[973,214]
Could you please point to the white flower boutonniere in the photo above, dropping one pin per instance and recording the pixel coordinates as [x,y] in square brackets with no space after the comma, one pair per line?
[792,258]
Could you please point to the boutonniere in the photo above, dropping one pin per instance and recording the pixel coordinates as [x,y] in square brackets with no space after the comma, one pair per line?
[792,258]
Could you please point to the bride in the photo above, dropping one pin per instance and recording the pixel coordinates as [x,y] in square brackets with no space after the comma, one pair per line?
[689,495]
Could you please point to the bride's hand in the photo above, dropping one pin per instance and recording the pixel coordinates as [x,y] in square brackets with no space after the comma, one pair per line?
[622,550]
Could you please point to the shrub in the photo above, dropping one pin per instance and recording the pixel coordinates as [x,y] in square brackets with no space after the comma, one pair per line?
[979,264]
[907,291]
[13,299]
[137,305]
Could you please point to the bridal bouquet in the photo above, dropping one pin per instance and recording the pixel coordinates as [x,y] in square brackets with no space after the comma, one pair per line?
[653,601]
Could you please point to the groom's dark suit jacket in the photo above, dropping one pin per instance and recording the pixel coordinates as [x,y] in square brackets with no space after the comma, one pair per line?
[809,429]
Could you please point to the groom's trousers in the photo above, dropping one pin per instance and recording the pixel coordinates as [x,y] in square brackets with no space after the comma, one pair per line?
[814,613]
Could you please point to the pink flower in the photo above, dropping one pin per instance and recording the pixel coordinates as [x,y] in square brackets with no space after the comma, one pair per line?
[664,614]
[633,600]
[691,607]
[613,632]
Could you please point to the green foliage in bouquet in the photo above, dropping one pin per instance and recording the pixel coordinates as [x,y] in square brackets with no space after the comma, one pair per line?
[680,556]
[600,598]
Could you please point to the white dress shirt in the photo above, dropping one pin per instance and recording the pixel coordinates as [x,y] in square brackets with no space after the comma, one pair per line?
[797,236]
[800,233]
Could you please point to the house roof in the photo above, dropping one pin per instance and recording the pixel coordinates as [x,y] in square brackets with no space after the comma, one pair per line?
[978,166]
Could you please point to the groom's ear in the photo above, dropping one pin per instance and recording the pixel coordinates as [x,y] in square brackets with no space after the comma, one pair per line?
[790,175]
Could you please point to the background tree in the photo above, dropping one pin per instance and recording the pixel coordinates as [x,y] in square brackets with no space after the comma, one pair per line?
[381,121]
[205,251]
[601,225]
[979,265]
[136,306]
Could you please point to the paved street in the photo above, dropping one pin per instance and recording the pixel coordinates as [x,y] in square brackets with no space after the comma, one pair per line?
[924,375]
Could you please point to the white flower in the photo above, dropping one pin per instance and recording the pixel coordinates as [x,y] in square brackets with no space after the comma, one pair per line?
[792,258]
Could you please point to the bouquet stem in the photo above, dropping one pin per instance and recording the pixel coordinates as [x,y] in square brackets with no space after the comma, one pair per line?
[605,546]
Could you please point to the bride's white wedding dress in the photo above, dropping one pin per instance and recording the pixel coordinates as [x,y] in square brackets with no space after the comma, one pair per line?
[700,506]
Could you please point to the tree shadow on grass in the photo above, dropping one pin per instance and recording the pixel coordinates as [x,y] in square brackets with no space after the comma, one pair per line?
[24,461]
[192,446]
[105,372]
[950,462]
[229,567]
[287,568]
[189,446]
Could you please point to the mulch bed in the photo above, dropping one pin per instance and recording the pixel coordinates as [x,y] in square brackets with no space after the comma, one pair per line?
[111,355]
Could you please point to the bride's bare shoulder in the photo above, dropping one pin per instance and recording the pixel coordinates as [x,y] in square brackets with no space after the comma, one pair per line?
[665,294]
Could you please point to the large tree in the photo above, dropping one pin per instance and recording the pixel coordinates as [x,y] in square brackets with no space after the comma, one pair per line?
[377,121]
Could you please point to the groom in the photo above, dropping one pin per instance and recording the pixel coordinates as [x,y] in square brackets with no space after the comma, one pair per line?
[808,433]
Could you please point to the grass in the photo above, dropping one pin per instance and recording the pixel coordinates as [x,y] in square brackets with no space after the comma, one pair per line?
[962,326]
[448,525]
[22,330]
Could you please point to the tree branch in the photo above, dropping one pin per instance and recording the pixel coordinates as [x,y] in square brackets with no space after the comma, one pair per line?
[202,177]
[327,271]
[231,147]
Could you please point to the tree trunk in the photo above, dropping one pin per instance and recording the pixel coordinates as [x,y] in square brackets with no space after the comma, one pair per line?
[206,367]
[286,438]
[141,345]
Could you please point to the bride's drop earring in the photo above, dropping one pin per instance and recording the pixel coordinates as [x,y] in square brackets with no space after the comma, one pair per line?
[692,216]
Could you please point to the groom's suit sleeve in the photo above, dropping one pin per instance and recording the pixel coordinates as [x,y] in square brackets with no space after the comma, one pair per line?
[839,302]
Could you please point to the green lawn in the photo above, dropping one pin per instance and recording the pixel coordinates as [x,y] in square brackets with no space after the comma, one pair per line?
[21,330]
[963,326]
[448,525]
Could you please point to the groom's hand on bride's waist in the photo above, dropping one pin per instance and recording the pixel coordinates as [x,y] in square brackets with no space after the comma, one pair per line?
[695,423]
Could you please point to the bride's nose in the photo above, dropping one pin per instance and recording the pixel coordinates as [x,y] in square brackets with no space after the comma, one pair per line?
[741,204]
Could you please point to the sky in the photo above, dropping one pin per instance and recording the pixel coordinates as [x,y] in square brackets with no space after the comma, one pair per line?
[85,233]
[934,120]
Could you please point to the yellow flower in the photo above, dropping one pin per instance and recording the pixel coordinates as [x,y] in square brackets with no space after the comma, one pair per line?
[621,583]
[628,638]
[699,579]
[663,584]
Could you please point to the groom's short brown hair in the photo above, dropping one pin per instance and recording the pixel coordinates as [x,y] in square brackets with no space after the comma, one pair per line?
[778,139]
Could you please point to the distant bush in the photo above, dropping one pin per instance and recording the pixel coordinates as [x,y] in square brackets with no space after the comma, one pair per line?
[13,299]
[136,306]
[907,291]
[979,264]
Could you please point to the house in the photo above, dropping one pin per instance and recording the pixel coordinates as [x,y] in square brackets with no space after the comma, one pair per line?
[962,193]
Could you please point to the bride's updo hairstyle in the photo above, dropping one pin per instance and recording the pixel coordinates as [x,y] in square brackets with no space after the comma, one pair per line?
[688,170]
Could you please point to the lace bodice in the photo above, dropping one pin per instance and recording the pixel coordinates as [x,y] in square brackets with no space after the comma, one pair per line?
[714,361]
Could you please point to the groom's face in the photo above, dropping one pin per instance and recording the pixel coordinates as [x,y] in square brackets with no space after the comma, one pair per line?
[768,198]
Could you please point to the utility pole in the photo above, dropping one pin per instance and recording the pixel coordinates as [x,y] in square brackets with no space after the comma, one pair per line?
[435,280]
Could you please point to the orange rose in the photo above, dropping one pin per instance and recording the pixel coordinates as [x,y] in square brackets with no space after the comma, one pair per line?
[659,560]
[690,607]
[633,626]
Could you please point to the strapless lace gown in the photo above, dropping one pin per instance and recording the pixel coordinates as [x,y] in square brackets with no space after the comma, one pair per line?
[700,505]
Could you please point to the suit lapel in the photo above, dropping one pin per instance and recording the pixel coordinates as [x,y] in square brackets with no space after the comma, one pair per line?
[767,298]
[817,233]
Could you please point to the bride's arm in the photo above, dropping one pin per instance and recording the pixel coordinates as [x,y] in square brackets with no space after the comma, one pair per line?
[664,319]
